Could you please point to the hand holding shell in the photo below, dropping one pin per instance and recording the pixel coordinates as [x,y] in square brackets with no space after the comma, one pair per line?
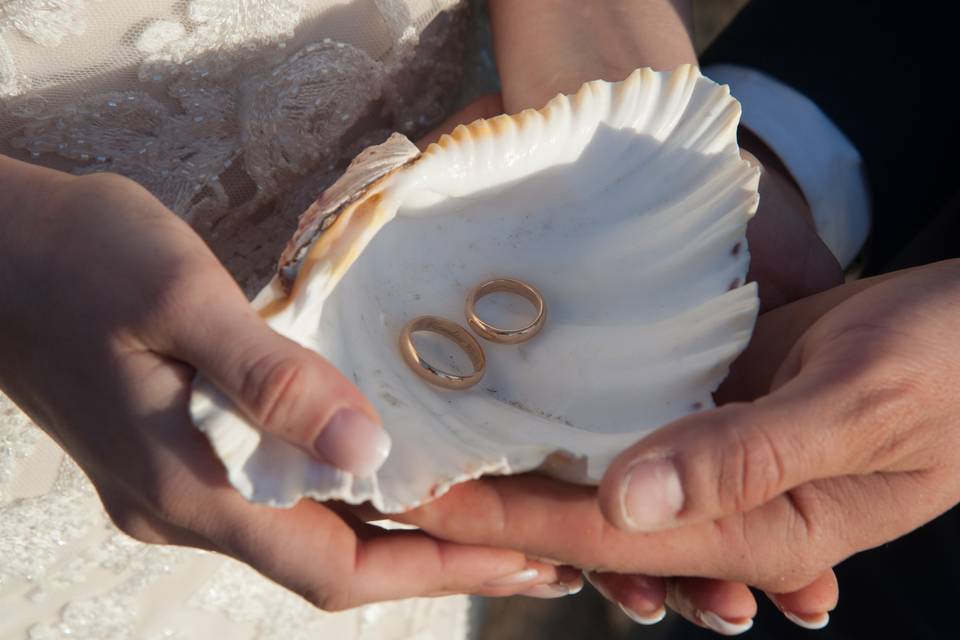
[625,204]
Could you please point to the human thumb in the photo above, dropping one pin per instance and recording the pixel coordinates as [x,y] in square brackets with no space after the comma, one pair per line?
[728,460]
[283,388]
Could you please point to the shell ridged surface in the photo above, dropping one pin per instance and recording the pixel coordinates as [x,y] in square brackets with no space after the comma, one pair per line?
[625,204]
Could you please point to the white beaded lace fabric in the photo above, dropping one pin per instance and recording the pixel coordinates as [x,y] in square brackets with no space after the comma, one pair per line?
[236,114]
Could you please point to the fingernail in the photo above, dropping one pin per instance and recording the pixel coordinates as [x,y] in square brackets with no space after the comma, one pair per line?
[549,591]
[526,575]
[645,619]
[651,495]
[353,442]
[723,626]
[813,623]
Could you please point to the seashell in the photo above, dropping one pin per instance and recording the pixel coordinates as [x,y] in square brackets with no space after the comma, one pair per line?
[625,204]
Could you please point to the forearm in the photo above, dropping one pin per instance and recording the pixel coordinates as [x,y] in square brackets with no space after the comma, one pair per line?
[545,47]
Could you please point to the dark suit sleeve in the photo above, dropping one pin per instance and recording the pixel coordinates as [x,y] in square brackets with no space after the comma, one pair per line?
[886,73]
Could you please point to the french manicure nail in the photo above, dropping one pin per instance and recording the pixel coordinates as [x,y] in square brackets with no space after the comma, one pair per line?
[651,495]
[353,442]
[721,625]
[813,623]
[526,575]
[645,619]
[549,591]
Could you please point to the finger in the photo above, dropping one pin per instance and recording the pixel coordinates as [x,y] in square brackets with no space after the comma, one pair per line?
[287,390]
[338,564]
[727,608]
[333,563]
[809,607]
[344,571]
[483,107]
[309,549]
[641,598]
[553,580]
[762,548]
[568,582]
[779,547]
[735,458]
[549,519]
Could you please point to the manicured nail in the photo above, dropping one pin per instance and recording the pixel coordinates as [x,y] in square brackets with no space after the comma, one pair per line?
[645,619]
[549,591]
[651,496]
[353,442]
[813,623]
[723,626]
[526,575]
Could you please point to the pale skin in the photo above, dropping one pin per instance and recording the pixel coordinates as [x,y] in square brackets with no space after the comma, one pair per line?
[111,303]
[113,389]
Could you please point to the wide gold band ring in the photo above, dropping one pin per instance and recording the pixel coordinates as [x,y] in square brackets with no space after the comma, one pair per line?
[456,334]
[506,336]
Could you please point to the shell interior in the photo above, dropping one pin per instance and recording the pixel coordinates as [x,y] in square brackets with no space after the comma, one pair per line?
[625,205]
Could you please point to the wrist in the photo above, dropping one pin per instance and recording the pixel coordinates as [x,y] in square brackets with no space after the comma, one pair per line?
[545,47]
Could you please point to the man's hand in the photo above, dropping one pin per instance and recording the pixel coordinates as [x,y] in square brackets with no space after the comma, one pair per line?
[853,444]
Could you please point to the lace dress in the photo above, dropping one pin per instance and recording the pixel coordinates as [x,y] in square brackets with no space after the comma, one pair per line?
[236,114]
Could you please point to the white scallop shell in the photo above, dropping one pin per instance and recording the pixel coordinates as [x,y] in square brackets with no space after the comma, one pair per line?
[625,204]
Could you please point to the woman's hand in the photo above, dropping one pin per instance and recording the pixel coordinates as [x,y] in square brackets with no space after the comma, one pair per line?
[109,304]
[853,444]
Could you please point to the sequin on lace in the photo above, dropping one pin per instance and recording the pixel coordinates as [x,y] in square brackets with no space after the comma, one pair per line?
[235,107]
[46,22]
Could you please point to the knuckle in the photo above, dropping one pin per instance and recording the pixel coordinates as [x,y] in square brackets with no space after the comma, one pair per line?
[880,406]
[752,469]
[272,385]
[783,570]
[742,559]
[322,598]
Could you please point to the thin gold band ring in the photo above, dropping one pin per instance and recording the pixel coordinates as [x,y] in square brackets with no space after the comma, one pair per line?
[456,334]
[506,336]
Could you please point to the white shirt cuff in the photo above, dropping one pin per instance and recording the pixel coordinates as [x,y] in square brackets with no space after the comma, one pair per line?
[821,159]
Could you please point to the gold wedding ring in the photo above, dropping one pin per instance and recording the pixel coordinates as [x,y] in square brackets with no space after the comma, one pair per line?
[506,336]
[456,334]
